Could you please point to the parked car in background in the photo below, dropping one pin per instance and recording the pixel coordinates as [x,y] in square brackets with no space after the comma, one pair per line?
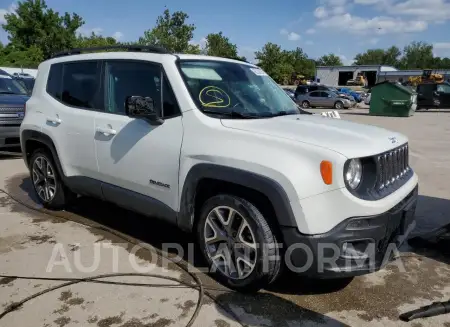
[28,83]
[367,99]
[326,99]
[356,95]
[432,95]
[290,92]
[13,96]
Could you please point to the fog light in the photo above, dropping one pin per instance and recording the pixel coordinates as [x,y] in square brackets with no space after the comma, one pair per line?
[356,249]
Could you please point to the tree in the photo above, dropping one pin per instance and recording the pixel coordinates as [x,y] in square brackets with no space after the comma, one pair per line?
[273,61]
[418,55]
[220,46]
[29,58]
[94,40]
[172,33]
[300,62]
[392,56]
[329,60]
[34,25]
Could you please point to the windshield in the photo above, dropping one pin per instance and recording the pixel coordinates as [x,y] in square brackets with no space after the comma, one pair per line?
[11,86]
[227,87]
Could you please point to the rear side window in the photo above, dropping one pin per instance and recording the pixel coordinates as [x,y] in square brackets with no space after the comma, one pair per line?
[81,85]
[54,81]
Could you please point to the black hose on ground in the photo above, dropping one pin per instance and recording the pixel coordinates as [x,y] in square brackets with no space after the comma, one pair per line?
[96,279]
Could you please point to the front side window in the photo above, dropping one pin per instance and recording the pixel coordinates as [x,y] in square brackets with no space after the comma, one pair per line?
[133,78]
[10,86]
[314,94]
[81,85]
[220,87]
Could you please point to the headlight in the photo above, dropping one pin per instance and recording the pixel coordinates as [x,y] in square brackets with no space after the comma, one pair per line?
[354,173]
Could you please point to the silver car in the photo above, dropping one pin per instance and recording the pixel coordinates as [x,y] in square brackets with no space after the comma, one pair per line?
[324,99]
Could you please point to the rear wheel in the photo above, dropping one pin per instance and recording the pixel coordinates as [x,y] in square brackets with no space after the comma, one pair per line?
[305,104]
[238,243]
[47,182]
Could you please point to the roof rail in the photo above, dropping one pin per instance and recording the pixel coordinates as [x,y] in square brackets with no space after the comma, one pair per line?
[130,48]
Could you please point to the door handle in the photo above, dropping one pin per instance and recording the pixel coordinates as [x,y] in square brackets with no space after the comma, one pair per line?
[106,131]
[55,120]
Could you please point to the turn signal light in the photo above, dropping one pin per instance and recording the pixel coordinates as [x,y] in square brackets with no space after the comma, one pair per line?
[326,170]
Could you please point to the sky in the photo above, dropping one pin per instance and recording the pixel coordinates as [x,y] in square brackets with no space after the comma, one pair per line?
[342,27]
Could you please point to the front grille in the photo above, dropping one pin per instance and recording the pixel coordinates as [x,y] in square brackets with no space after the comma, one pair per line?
[392,166]
[11,116]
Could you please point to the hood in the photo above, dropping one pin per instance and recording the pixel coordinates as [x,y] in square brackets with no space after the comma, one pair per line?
[13,99]
[352,140]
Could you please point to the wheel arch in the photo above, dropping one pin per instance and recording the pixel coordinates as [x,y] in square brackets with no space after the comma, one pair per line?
[242,180]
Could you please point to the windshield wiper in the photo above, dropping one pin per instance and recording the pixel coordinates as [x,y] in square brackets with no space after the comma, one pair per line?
[8,92]
[232,114]
[284,113]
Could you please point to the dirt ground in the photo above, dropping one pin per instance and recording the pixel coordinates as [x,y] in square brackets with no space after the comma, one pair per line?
[30,241]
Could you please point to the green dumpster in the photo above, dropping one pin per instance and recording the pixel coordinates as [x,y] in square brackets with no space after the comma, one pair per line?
[392,99]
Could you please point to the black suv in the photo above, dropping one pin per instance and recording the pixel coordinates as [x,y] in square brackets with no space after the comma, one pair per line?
[433,96]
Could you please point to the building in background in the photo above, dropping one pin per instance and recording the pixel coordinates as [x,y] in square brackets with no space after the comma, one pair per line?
[403,75]
[12,70]
[339,75]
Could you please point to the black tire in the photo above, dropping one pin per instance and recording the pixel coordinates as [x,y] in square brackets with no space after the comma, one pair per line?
[339,105]
[305,104]
[266,271]
[62,195]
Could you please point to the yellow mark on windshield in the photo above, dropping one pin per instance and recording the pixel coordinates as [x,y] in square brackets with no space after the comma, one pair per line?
[214,97]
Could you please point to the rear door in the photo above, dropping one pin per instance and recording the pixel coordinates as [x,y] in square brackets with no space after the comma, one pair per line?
[72,99]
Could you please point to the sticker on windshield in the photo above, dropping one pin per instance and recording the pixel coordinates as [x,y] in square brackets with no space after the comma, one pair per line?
[258,71]
[214,97]
[5,76]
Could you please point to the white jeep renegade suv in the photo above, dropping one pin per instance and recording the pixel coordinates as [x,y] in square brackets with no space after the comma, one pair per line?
[216,147]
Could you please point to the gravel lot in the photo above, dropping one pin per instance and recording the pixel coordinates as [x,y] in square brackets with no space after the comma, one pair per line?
[28,240]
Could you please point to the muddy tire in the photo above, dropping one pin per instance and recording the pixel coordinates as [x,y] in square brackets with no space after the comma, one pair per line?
[238,243]
[47,182]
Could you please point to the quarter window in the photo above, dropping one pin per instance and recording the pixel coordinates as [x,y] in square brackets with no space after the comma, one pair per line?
[314,94]
[54,81]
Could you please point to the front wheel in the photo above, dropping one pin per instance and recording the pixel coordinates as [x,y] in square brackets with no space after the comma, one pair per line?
[338,105]
[238,243]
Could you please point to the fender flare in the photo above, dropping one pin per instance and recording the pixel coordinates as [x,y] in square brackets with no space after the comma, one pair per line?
[37,136]
[267,186]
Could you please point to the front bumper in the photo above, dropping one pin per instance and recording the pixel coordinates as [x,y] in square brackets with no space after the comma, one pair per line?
[9,136]
[375,239]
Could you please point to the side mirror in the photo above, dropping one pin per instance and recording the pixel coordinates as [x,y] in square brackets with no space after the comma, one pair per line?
[142,107]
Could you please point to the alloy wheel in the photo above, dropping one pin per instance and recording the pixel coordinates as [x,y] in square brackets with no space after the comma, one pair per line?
[230,242]
[44,179]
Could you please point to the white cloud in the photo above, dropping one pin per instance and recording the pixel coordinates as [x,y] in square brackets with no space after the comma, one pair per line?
[310,31]
[334,2]
[320,12]
[291,36]
[88,31]
[427,10]
[10,10]
[442,45]
[376,25]
[201,43]
[117,35]
[338,10]
[369,2]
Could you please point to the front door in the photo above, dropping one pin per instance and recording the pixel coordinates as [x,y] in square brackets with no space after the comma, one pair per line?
[139,162]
